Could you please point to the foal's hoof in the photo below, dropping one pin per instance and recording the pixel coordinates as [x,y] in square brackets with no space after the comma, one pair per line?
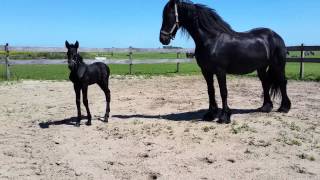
[224,118]
[77,124]
[106,118]
[209,116]
[266,108]
[88,123]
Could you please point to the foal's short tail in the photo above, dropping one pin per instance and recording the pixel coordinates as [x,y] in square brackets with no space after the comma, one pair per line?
[276,71]
[108,72]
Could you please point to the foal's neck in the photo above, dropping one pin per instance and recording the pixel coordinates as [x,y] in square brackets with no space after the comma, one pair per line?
[80,59]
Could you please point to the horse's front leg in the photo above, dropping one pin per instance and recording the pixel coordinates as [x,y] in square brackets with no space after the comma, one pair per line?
[213,107]
[77,90]
[86,103]
[226,112]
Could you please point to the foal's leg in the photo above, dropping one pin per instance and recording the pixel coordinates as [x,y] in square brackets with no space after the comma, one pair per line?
[85,102]
[213,107]
[104,86]
[267,103]
[77,90]
[226,112]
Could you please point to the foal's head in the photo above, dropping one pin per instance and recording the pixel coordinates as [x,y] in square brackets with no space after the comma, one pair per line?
[170,22]
[73,56]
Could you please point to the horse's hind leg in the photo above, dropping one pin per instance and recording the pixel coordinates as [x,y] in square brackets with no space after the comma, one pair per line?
[285,102]
[86,103]
[267,103]
[104,86]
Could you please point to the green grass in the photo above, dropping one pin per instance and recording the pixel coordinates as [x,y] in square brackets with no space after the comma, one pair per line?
[61,72]
[311,71]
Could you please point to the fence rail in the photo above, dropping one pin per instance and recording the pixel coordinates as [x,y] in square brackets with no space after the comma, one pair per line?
[90,61]
[98,50]
[130,61]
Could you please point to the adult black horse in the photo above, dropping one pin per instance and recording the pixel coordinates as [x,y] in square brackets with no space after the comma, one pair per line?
[83,75]
[220,50]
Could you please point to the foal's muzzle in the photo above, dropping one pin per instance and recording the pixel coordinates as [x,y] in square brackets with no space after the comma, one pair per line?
[71,64]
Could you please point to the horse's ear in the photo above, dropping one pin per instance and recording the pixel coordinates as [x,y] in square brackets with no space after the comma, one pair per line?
[67,44]
[77,44]
[174,1]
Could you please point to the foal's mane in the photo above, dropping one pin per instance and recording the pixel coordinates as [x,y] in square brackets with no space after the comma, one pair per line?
[207,18]
[80,58]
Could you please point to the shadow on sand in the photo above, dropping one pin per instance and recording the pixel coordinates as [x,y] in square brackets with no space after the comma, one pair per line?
[69,121]
[184,116]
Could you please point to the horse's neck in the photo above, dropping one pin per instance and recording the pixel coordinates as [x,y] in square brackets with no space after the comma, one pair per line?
[199,35]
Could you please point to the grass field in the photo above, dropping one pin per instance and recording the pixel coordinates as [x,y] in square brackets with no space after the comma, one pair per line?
[61,72]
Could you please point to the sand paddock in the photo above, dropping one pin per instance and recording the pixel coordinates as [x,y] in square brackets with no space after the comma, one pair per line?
[155,132]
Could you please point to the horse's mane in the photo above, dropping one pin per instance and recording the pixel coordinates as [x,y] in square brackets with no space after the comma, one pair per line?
[207,17]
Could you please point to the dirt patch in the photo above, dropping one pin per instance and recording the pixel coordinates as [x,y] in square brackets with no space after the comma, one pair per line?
[155,132]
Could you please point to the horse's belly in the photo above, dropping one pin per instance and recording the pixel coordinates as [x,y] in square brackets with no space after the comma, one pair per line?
[246,66]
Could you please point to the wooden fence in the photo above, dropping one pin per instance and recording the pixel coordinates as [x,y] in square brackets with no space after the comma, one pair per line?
[130,61]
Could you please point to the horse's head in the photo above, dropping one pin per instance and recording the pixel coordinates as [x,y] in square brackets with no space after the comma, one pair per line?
[72,54]
[170,22]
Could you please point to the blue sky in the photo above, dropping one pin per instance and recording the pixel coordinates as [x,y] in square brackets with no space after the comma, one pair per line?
[106,23]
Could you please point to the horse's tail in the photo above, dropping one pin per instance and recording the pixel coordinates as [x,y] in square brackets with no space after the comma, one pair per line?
[276,71]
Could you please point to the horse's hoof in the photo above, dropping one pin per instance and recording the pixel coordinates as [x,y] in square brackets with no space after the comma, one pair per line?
[285,107]
[88,123]
[224,118]
[283,110]
[209,116]
[267,108]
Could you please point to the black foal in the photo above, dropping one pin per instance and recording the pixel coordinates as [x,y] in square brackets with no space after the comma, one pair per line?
[83,75]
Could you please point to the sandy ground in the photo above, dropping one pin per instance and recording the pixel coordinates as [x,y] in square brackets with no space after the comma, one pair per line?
[155,132]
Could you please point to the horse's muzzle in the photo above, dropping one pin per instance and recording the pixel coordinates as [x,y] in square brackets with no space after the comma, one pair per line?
[165,39]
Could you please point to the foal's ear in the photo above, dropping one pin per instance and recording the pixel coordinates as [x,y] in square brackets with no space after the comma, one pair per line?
[76,44]
[67,44]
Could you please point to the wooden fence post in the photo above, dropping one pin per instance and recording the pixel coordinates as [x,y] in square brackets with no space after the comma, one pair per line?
[178,64]
[6,48]
[130,59]
[301,62]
